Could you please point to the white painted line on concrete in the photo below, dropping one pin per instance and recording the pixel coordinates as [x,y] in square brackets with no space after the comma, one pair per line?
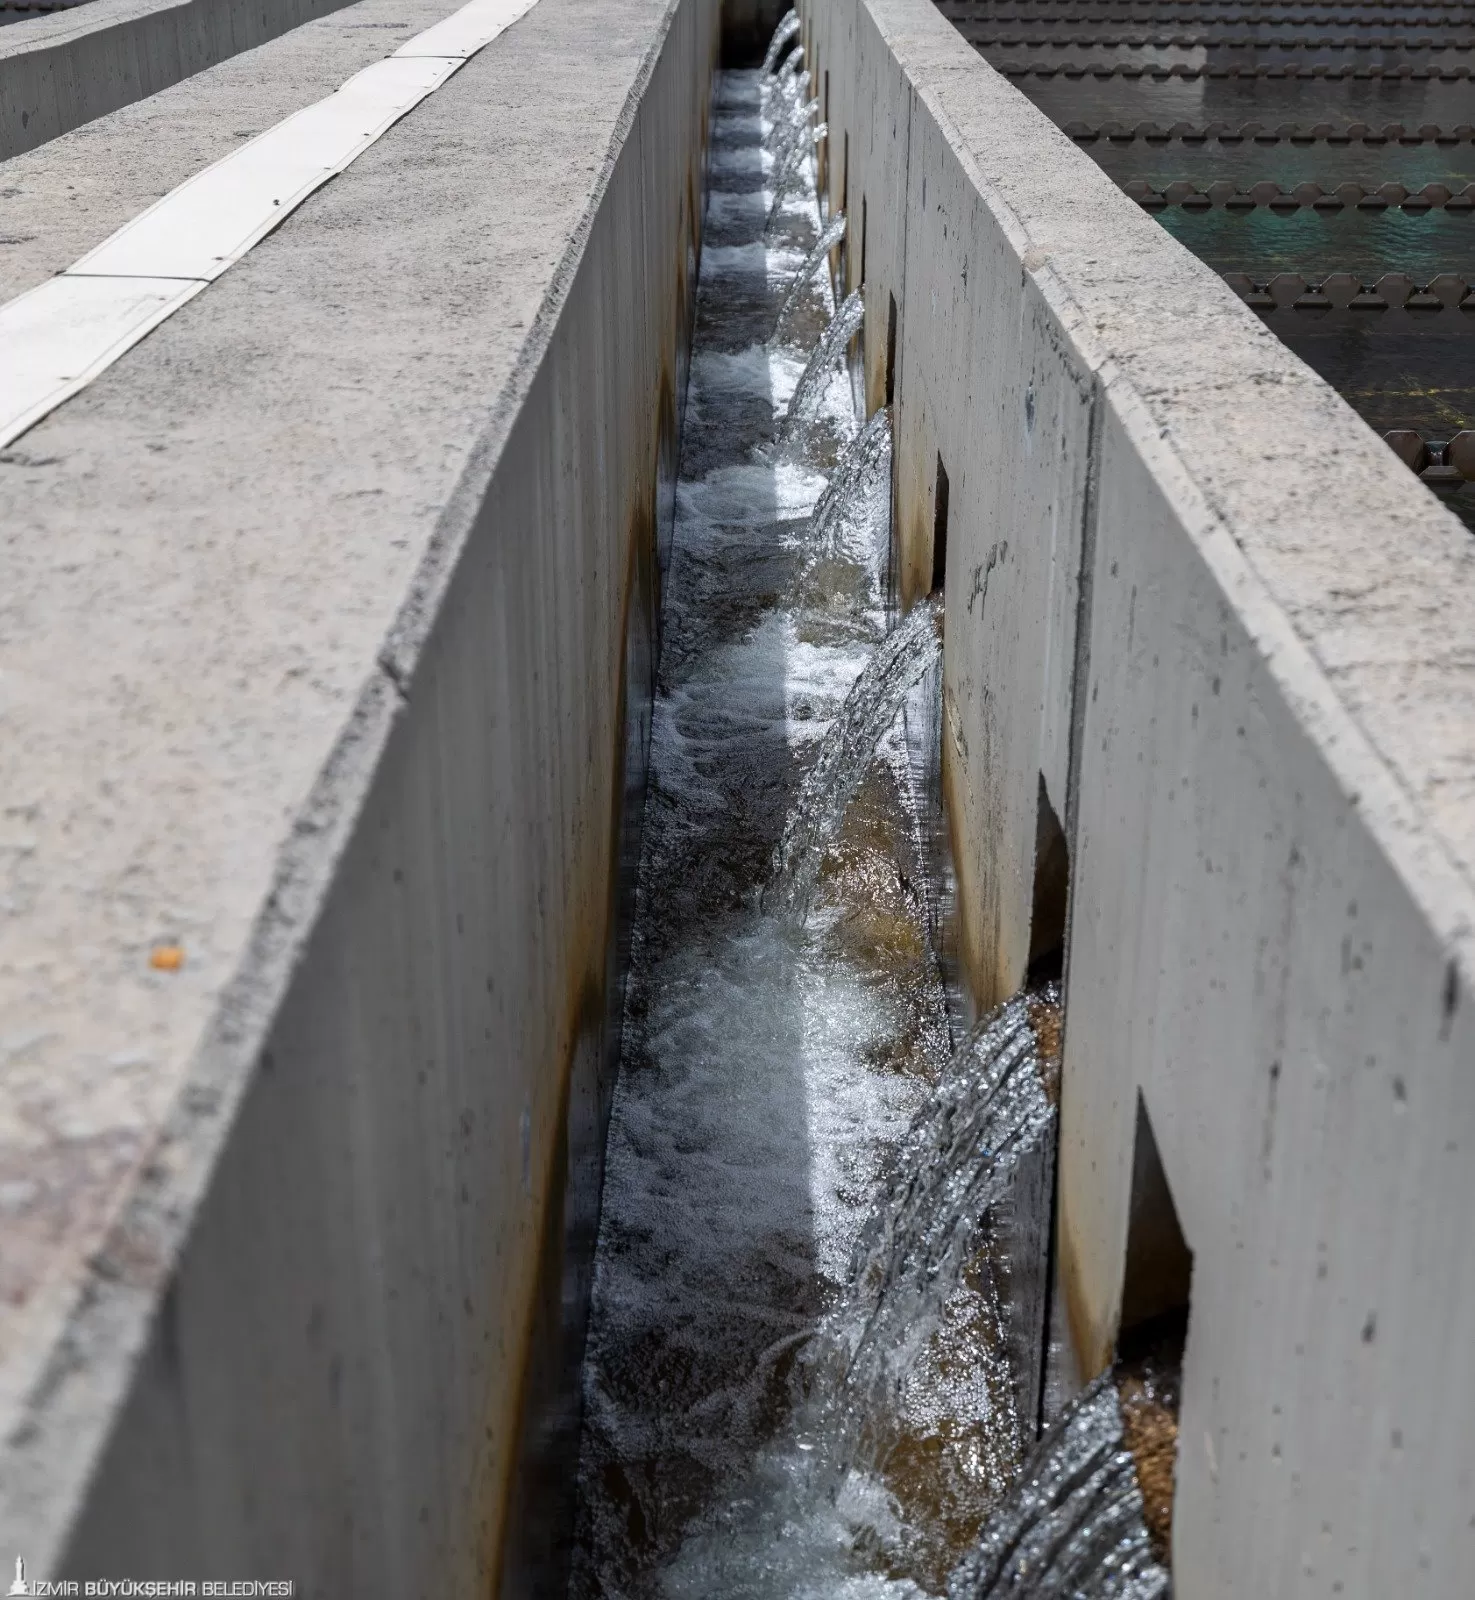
[211,220]
[56,338]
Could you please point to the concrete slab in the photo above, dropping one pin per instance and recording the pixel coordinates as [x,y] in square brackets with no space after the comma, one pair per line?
[67,197]
[1269,763]
[224,565]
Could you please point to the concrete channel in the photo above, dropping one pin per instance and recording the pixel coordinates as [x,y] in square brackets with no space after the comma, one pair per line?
[330,627]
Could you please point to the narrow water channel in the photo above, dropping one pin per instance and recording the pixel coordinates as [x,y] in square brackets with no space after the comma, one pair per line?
[798,1379]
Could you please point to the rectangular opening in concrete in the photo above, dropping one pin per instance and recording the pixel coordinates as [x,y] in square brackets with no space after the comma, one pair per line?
[890,349]
[847,277]
[1153,1334]
[939,529]
[1159,1267]
[1051,886]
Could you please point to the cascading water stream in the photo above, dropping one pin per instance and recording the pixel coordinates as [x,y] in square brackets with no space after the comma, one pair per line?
[787,129]
[789,143]
[782,91]
[831,235]
[793,170]
[1072,1527]
[768,1070]
[902,1437]
[798,1378]
[899,663]
[853,515]
[790,66]
[786,90]
[809,392]
[785,31]
[990,1109]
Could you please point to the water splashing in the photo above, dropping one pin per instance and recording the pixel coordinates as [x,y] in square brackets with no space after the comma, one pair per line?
[768,1072]
[899,663]
[991,1108]
[799,1381]
[793,169]
[903,1440]
[791,64]
[852,518]
[809,392]
[787,28]
[792,88]
[834,232]
[788,129]
[1072,1528]
[781,96]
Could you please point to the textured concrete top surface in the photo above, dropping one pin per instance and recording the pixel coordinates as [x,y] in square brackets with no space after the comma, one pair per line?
[1374,577]
[71,193]
[203,555]
[60,70]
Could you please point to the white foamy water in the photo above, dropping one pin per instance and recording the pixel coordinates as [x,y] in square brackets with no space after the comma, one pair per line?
[772,1068]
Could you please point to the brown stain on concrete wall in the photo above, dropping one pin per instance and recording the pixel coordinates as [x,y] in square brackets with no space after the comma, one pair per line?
[530,1482]
[877,316]
[1092,1332]
[914,538]
[982,965]
[526,1531]
[992,956]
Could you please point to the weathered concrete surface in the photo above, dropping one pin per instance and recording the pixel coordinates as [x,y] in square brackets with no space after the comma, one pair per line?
[62,70]
[325,614]
[1268,776]
[68,196]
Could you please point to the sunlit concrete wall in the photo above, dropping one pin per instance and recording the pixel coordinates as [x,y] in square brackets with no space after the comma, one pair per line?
[1237,641]
[1008,413]
[342,587]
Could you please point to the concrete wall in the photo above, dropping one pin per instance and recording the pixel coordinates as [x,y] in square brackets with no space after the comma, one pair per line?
[297,1234]
[70,67]
[1236,641]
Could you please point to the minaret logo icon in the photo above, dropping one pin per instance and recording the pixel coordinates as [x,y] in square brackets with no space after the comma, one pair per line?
[20,1586]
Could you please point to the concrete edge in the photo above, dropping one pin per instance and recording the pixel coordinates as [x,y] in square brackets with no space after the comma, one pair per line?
[411,627]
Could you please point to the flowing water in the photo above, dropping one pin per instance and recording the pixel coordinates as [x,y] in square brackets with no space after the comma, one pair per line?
[853,515]
[788,70]
[781,36]
[990,1108]
[789,114]
[789,131]
[793,169]
[899,663]
[798,1379]
[831,235]
[809,393]
[1072,1529]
